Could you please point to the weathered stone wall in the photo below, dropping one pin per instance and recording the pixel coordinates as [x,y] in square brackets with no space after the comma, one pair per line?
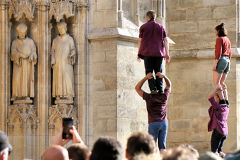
[102,89]
[191,23]
[191,26]
[131,109]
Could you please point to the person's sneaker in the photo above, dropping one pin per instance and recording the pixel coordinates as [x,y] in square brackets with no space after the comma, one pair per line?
[221,154]
[154,91]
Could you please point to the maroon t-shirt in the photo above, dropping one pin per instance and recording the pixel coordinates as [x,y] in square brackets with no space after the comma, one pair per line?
[152,34]
[157,106]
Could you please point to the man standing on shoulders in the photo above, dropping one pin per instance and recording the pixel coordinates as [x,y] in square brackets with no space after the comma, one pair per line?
[152,48]
[157,109]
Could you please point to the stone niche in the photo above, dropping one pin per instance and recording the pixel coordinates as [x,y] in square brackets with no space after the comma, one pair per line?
[30,114]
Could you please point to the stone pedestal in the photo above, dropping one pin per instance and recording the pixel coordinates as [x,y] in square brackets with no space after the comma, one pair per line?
[23,128]
[56,113]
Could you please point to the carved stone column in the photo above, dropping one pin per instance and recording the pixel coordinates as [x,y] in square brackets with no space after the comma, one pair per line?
[120,14]
[159,6]
[80,31]
[135,11]
[4,63]
[44,92]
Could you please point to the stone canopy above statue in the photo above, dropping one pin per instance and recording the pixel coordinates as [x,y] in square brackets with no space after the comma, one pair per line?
[61,8]
[57,8]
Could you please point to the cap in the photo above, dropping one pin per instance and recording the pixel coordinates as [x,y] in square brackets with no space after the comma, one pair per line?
[4,143]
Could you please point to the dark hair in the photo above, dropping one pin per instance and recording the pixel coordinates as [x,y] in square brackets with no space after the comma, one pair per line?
[222,31]
[151,14]
[106,148]
[140,142]
[78,152]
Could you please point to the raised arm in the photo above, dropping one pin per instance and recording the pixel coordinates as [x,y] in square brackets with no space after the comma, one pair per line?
[217,91]
[166,46]
[167,80]
[139,85]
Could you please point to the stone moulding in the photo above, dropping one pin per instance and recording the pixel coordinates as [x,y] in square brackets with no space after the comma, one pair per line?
[121,33]
[130,35]
[20,8]
[200,53]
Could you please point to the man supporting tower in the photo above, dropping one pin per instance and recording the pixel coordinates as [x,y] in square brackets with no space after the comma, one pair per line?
[157,109]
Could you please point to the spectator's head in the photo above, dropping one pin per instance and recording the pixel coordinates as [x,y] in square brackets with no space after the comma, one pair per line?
[140,143]
[142,156]
[106,148]
[5,146]
[179,153]
[150,15]
[191,149]
[78,152]
[209,156]
[55,152]
[221,31]
[233,156]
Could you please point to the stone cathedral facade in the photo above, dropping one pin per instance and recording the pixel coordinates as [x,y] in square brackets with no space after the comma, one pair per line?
[95,82]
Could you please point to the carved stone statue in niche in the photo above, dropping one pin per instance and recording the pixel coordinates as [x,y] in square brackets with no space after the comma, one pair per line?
[62,61]
[24,57]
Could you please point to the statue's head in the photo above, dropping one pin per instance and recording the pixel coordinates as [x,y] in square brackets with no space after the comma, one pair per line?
[62,28]
[21,30]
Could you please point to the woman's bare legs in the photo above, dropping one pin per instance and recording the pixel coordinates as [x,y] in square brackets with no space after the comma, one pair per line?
[224,86]
[216,79]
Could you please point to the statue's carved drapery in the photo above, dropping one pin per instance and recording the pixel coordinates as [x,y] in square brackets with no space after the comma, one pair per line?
[62,61]
[24,57]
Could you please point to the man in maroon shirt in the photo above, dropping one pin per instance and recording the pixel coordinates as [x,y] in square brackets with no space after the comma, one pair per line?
[153,47]
[157,109]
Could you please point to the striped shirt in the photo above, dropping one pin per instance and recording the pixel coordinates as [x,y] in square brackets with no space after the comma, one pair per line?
[218,117]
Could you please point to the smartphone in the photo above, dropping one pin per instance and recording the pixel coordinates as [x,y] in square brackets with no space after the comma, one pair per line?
[67,125]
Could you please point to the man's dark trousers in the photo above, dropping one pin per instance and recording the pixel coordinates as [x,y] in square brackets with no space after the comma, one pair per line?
[154,64]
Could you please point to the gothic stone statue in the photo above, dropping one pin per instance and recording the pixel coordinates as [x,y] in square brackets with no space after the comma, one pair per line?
[62,61]
[24,57]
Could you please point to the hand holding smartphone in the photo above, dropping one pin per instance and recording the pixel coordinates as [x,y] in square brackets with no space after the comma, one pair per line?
[67,124]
